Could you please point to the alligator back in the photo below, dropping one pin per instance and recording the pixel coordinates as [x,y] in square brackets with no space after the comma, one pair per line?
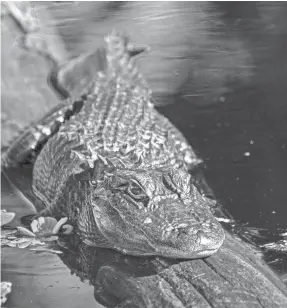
[117,119]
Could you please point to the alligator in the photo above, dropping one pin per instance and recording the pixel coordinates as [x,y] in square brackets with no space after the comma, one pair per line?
[118,169]
[236,276]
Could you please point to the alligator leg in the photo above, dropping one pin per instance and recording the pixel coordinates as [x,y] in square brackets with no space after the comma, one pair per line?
[27,146]
[18,160]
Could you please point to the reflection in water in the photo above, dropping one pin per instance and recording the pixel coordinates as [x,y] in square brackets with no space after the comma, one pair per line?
[41,280]
[90,263]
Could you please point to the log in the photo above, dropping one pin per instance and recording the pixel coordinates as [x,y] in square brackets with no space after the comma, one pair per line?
[235,276]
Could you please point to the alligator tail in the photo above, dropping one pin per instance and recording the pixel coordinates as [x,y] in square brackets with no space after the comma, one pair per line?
[120,59]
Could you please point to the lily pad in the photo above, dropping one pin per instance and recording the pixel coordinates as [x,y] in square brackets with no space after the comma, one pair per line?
[8,233]
[46,226]
[59,224]
[26,232]
[44,230]
[67,229]
[22,242]
[43,225]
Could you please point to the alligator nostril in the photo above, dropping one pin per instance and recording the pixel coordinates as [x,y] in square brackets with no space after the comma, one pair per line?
[182,231]
[205,240]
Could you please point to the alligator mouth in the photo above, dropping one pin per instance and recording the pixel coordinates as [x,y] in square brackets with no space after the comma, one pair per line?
[201,251]
[193,255]
[206,253]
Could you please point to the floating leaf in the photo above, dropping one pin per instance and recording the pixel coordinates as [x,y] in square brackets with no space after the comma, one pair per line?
[26,232]
[43,249]
[45,229]
[35,225]
[22,242]
[43,225]
[6,242]
[8,232]
[59,224]
[35,242]
[51,238]
[23,239]
[6,217]
[9,243]
[11,237]
[25,244]
[42,220]
[67,229]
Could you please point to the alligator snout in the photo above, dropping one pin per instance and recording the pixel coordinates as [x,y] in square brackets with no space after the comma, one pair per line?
[190,231]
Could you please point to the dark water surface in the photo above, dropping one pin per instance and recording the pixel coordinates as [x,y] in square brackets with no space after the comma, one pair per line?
[241,133]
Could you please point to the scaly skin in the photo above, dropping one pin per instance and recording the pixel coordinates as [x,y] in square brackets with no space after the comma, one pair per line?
[119,170]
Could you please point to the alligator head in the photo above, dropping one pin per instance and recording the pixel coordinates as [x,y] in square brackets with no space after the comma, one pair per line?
[150,212]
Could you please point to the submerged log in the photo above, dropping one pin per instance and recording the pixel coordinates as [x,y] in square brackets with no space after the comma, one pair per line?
[233,277]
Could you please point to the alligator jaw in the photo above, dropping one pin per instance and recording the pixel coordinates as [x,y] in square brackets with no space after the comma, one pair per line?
[194,254]
[151,240]
[172,255]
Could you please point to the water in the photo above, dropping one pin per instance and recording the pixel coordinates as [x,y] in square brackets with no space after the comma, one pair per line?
[239,131]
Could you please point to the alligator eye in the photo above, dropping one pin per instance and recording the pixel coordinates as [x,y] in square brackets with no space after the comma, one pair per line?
[135,191]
